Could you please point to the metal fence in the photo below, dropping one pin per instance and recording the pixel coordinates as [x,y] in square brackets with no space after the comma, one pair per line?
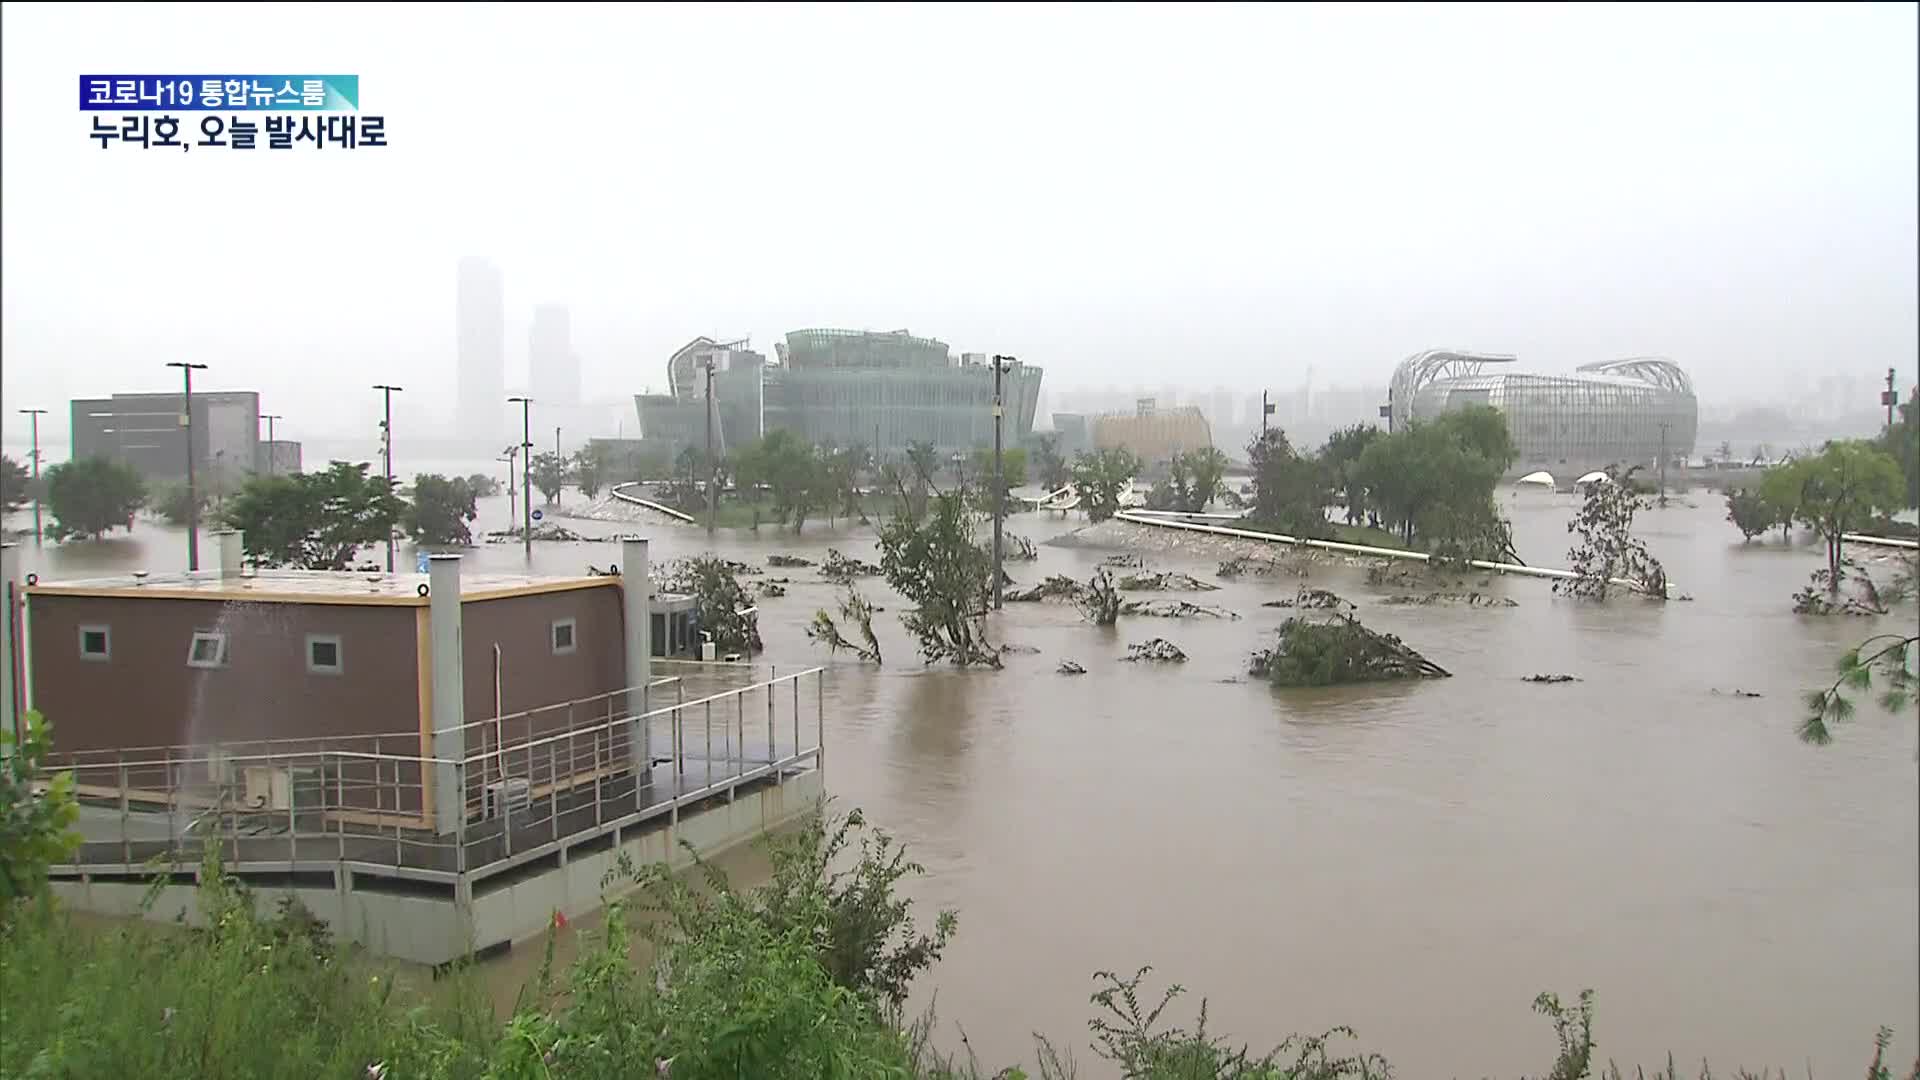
[528,784]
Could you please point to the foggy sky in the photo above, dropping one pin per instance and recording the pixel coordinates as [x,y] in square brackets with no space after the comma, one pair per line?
[1197,196]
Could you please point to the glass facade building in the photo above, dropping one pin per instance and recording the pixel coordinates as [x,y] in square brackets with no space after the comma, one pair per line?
[1616,412]
[843,387]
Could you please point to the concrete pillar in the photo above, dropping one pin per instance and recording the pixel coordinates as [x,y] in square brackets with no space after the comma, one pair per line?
[10,692]
[449,690]
[635,586]
[233,552]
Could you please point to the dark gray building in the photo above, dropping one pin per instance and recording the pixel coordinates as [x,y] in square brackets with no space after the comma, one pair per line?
[149,433]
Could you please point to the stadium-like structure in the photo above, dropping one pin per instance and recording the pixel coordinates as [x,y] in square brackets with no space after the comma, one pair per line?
[1615,412]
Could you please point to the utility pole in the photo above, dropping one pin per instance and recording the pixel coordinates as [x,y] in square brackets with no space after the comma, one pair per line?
[1001,364]
[193,494]
[713,471]
[270,418]
[556,442]
[1266,410]
[386,455]
[526,473]
[36,414]
[1888,399]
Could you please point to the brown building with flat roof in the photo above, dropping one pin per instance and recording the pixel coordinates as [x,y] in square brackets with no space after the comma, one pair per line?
[232,661]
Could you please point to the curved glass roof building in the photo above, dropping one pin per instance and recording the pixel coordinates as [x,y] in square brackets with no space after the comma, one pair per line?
[1616,412]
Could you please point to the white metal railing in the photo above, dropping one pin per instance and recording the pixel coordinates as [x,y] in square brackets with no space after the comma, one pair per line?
[312,804]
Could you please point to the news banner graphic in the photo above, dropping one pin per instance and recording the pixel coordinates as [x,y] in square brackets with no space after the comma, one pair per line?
[316,110]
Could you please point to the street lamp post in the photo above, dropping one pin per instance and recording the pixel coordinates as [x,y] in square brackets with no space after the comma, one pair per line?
[193,494]
[1001,364]
[386,455]
[713,476]
[36,414]
[513,497]
[270,418]
[526,473]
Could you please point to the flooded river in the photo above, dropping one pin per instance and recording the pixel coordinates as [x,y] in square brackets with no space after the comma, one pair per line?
[1415,860]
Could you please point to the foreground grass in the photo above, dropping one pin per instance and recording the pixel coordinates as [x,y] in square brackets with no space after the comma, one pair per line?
[802,978]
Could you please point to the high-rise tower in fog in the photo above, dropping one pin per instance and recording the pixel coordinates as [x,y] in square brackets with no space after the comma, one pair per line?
[481,330]
[553,371]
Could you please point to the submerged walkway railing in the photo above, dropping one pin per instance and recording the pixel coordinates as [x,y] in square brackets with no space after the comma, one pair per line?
[527,784]
[1164,521]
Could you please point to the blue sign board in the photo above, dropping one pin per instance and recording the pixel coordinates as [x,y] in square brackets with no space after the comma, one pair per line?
[537,515]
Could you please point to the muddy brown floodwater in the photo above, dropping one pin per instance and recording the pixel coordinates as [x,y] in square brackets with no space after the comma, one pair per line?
[1414,860]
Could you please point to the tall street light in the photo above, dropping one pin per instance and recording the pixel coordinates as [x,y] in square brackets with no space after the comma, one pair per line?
[1001,365]
[513,497]
[270,418]
[713,473]
[193,494]
[36,414]
[386,454]
[526,472]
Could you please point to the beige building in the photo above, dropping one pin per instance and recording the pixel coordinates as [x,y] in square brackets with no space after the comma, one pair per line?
[1151,433]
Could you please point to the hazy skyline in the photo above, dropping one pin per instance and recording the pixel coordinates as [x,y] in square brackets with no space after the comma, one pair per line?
[1150,195]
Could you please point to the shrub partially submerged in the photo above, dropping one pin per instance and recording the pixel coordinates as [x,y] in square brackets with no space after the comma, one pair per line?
[1332,649]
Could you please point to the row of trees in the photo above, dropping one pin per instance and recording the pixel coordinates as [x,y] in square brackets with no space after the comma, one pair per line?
[1431,483]
[1840,490]
[312,520]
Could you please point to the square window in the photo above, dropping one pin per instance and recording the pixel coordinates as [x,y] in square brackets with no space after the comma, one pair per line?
[208,650]
[563,630]
[323,654]
[96,643]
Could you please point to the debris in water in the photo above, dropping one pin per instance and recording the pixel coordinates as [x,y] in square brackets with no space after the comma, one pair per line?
[1247,566]
[788,560]
[1313,600]
[837,567]
[1737,693]
[1551,678]
[1068,667]
[546,531]
[1174,609]
[1010,649]
[1155,649]
[769,588]
[1472,599]
[1165,581]
[1124,562]
[1056,587]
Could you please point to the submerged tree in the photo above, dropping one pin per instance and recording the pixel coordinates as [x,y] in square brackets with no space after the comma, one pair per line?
[1749,511]
[855,609]
[440,511]
[719,602]
[14,482]
[1334,648]
[1194,479]
[1100,600]
[590,468]
[1838,491]
[91,496]
[1289,488]
[1102,477]
[315,520]
[1049,466]
[1607,550]
[549,474]
[1341,459]
[936,563]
